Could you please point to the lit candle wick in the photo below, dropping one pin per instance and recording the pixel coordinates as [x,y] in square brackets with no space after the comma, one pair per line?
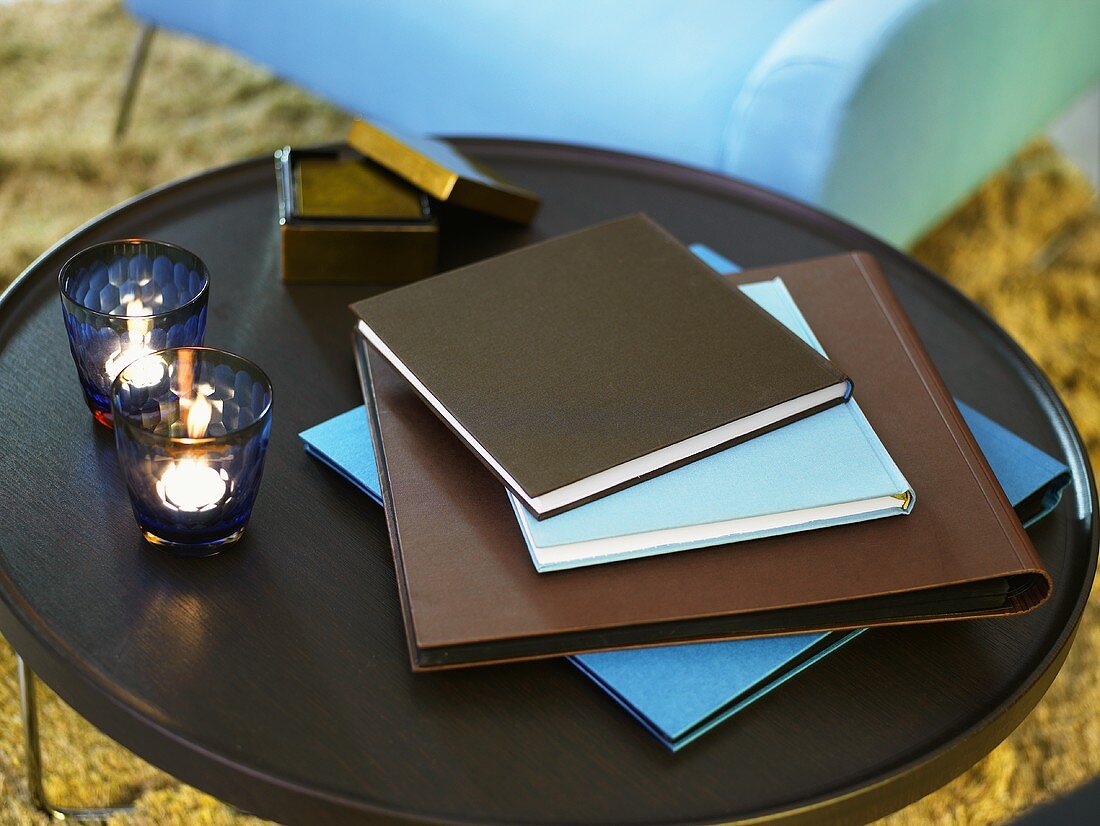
[192,485]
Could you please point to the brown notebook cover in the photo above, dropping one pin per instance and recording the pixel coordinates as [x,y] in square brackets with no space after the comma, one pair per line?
[470,594]
[538,358]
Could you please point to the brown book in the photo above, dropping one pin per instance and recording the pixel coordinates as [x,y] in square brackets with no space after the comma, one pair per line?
[537,358]
[470,594]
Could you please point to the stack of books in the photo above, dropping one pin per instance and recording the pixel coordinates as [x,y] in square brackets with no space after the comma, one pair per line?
[599,442]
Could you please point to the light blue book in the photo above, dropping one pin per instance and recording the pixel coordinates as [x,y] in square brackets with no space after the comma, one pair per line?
[721,265]
[680,692]
[824,470]
[344,444]
[1032,481]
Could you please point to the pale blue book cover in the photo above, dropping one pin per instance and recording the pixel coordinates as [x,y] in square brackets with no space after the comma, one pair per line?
[824,470]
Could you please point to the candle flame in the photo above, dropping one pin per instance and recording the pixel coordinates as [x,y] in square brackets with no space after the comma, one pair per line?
[138,323]
[195,410]
[196,416]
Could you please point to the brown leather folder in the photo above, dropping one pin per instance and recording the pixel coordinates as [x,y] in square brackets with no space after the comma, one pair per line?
[471,595]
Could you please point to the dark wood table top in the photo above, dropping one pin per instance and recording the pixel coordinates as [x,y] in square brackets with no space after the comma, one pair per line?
[275,676]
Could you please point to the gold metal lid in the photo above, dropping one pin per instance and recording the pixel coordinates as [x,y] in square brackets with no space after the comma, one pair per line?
[440,170]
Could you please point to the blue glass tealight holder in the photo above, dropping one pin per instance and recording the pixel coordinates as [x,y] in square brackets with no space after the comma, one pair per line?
[124,299]
[191,428]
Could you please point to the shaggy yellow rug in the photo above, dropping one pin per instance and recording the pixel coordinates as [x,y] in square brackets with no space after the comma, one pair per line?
[1027,246]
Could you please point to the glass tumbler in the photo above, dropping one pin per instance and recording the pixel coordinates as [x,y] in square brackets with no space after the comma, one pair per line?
[124,299]
[191,428]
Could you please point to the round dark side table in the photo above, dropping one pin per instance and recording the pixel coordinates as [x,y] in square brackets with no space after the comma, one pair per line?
[275,676]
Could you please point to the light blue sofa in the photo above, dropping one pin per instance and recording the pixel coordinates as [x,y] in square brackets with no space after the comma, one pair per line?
[885,112]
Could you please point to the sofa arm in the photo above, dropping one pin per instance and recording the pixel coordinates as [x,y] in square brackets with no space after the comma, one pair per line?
[889,113]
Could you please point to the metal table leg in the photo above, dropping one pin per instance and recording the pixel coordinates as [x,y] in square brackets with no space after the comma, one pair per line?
[133,76]
[28,706]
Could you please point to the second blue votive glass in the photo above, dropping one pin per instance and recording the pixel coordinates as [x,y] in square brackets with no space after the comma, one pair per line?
[191,428]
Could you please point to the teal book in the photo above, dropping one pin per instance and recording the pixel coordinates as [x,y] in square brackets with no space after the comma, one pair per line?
[1032,481]
[824,470]
[344,444]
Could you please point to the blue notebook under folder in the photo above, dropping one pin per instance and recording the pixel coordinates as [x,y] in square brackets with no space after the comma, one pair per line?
[680,692]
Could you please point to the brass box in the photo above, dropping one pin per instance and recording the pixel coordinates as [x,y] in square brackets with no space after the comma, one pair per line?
[343,219]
